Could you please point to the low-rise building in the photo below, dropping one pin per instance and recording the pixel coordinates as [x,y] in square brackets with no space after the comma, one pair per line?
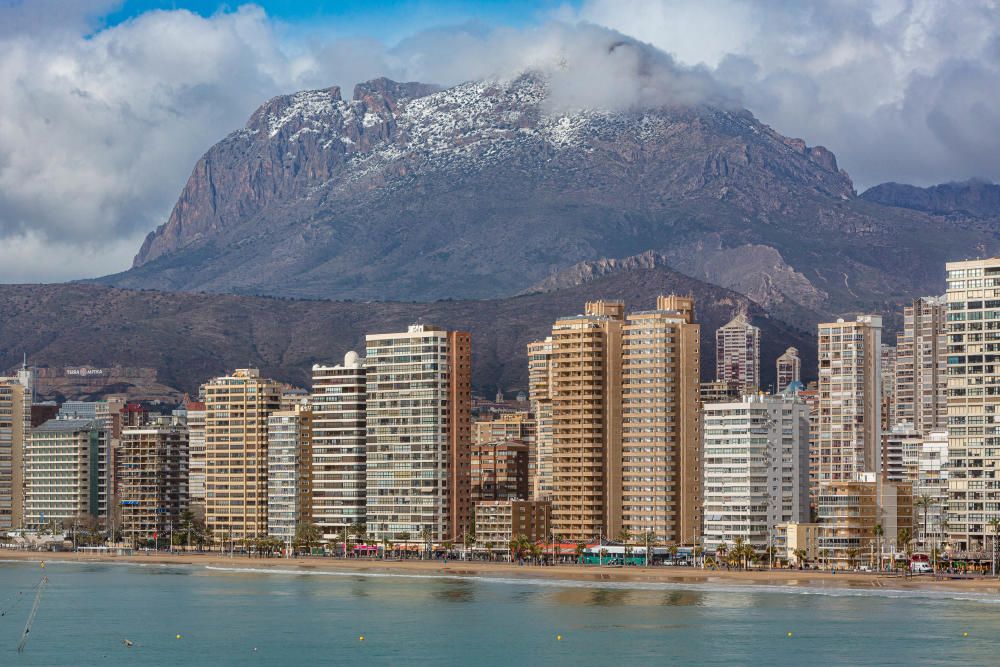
[793,536]
[499,521]
[852,514]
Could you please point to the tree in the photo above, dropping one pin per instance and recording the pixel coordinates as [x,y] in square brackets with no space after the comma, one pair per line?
[489,548]
[519,546]
[852,555]
[800,557]
[673,550]
[925,502]
[879,532]
[427,535]
[905,538]
[580,549]
[307,535]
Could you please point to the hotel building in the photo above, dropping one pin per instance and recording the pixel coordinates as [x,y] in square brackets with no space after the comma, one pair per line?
[237,407]
[16,393]
[973,401]
[539,383]
[339,402]
[850,398]
[418,416]
[661,430]
[756,472]
[65,466]
[289,471]
[585,392]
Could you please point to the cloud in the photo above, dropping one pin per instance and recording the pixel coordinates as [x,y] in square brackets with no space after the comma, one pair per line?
[905,90]
[100,127]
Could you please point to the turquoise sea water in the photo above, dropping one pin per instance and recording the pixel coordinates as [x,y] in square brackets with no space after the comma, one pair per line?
[249,618]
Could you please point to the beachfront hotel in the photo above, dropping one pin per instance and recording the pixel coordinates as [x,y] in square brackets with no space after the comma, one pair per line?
[16,393]
[661,429]
[289,471]
[585,393]
[339,400]
[539,395]
[418,416]
[63,477]
[973,401]
[756,468]
[850,398]
[237,407]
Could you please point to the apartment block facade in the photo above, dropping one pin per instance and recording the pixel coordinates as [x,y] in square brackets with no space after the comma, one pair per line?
[737,353]
[289,470]
[237,408]
[922,365]
[16,394]
[418,416]
[152,475]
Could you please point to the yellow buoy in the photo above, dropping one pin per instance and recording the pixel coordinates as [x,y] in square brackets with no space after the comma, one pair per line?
[965,634]
[43,563]
[178,636]
[789,634]
[559,638]
[361,638]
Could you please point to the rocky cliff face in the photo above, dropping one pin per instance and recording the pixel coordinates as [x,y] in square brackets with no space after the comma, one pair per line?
[977,199]
[408,192]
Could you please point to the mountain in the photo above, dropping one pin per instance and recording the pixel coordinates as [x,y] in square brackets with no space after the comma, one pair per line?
[191,337]
[974,198]
[483,190]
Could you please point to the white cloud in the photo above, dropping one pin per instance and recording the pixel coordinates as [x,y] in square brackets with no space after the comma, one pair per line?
[99,128]
[905,90]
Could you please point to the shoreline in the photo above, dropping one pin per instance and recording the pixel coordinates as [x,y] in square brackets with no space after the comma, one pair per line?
[678,576]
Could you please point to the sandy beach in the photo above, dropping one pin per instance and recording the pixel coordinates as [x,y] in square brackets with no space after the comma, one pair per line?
[457,568]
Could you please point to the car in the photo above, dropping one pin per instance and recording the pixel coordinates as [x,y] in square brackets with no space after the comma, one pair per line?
[920,567]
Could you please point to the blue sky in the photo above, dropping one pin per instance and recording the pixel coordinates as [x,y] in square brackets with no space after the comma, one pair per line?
[387,20]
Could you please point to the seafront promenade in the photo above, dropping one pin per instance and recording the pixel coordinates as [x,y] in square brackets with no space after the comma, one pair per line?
[588,573]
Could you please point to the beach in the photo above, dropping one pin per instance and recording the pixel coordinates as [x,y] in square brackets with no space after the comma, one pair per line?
[479,569]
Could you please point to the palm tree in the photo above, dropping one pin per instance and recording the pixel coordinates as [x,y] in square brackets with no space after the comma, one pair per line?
[468,539]
[536,552]
[995,525]
[673,551]
[925,502]
[427,535]
[852,555]
[519,547]
[905,537]
[800,556]
[489,548]
[879,532]
[581,548]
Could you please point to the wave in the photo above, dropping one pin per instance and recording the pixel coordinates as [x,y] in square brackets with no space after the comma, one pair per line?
[708,587]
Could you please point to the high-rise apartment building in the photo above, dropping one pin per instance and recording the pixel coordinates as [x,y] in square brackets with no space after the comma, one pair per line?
[901,453]
[585,392]
[539,383]
[737,353]
[507,426]
[921,365]
[16,393]
[66,474]
[849,429]
[236,410]
[419,400]
[289,471]
[195,421]
[339,401]
[500,471]
[151,471]
[973,401]
[756,473]
[661,430]
[931,514]
[789,368]
[888,387]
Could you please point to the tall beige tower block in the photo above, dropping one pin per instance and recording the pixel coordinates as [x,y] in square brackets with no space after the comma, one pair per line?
[850,399]
[922,365]
[237,407]
[737,353]
[15,432]
[661,432]
[539,382]
[585,394]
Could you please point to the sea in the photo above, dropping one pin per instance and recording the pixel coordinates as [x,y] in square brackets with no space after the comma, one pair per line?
[128,614]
